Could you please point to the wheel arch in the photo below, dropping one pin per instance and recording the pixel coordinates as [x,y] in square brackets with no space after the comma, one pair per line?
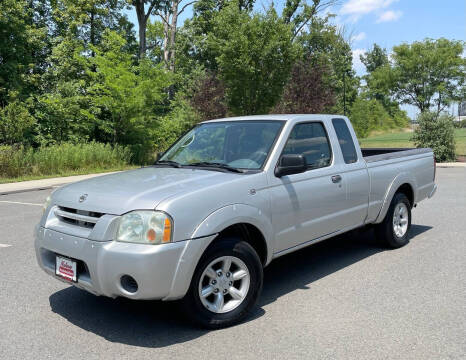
[243,220]
[407,189]
[239,219]
[249,233]
[403,183]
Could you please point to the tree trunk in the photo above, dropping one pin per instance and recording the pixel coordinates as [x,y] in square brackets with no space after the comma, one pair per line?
[166,33]
[173,34]
[142,39]
[142,22]
[92,35]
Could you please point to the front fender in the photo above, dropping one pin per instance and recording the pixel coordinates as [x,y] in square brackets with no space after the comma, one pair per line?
[233,214]
[207,231]
[400,179]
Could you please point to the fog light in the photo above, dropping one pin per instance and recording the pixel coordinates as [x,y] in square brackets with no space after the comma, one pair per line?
[129,284]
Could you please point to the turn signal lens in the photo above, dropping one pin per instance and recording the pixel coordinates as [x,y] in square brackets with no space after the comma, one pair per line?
[167,231]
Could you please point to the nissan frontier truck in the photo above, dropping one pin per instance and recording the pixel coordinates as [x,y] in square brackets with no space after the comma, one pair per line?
[220,204]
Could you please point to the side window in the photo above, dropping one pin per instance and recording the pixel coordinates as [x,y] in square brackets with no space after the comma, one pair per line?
[345,140]
[311,141]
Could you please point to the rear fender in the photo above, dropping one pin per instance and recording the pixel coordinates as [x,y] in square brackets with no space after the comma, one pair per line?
[400,179]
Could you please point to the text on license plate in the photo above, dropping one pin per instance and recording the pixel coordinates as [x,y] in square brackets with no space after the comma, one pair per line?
[66,268]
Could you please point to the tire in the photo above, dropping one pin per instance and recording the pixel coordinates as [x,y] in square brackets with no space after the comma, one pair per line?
[394,231]
[244,259]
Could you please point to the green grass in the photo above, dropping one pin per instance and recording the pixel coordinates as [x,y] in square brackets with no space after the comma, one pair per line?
[402,139]
[18,163]
[4,180]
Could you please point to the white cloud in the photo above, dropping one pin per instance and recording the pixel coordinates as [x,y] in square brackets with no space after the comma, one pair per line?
[358,66]
[358,37]
[362,7]
[355,9]
[389,15]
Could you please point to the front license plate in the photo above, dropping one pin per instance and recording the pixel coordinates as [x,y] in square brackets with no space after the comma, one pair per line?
[66,268]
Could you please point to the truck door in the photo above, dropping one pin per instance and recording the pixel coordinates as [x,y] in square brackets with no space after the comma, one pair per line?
[308,205]
[354,175]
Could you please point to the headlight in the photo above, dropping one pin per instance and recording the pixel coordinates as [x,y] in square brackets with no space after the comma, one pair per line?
[47,203]
[145,227]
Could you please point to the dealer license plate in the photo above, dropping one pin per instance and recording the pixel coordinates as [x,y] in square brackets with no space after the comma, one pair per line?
[66,268]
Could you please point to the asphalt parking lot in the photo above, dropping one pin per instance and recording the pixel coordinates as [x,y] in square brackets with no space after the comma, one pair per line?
[346,298]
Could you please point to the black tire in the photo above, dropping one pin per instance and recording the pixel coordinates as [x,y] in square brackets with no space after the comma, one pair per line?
[385,230]
[229,246]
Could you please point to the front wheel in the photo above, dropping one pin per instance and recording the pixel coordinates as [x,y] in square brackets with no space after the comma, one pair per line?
[393,231]
[226,284]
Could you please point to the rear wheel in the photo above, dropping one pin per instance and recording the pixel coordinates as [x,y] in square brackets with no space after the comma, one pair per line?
[393,231]
[226,284]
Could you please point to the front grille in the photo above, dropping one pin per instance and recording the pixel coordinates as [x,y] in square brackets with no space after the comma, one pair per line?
[82,218]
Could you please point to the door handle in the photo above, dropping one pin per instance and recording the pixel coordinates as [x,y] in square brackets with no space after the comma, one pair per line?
[336,178]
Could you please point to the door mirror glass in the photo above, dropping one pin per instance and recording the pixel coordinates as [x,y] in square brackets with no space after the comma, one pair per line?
[290,164]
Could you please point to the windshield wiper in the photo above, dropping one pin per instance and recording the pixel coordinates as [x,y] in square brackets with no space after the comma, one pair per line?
[168,162]
[216,165]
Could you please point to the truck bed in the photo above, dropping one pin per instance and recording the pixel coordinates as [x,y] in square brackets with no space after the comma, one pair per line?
[380,154]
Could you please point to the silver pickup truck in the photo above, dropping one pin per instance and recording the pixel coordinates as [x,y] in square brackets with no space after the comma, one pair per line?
[218,206]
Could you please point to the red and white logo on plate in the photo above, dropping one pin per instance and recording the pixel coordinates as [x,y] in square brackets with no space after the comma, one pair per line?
[65,268]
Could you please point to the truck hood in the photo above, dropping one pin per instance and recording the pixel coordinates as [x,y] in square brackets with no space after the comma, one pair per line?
[136,189]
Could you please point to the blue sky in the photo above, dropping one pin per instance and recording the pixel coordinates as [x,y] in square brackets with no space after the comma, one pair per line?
[391,22]
[386,22]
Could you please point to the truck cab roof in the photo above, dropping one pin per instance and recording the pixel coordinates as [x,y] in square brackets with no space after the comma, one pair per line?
[280,117]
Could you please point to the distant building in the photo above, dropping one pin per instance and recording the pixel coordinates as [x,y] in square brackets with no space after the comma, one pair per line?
[461,111]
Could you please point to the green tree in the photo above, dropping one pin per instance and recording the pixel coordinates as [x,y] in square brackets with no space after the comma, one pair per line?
[426,74]
[131,98]
[22,48]
[86,20]
[300,13]
[325,43]
[254,55]
[436,132]
[15,122]
[66,114]
[374,58]
[369,115]
[378,82]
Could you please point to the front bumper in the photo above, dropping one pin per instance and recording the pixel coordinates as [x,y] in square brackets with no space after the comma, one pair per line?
[161,271]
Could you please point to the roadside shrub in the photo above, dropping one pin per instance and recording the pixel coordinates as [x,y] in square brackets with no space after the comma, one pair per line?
[436,132]
[460,124]
[63,159]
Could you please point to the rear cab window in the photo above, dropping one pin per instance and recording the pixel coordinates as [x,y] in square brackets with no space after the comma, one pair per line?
[345,140]
[311,141]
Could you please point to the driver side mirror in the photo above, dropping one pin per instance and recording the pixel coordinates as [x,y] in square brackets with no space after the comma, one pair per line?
[290,164]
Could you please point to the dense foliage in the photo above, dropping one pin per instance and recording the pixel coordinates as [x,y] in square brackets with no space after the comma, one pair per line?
[77,71]
[368,115]
[436,132]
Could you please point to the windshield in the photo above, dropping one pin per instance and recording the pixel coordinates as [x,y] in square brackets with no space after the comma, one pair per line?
[238,144]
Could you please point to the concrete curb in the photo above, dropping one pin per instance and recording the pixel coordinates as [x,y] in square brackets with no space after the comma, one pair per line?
[33,185]
[451,164]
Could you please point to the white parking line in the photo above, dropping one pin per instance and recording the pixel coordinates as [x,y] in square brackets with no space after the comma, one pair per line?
[18,202]
[4,245]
